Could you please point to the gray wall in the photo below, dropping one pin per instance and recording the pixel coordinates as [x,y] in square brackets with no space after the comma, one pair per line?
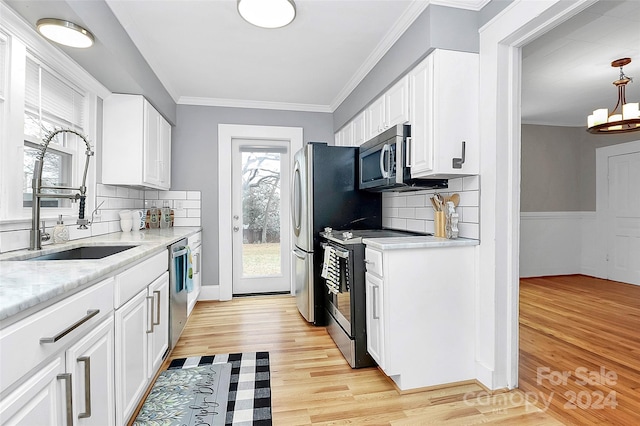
[437,27]
[194,158]
[558,167]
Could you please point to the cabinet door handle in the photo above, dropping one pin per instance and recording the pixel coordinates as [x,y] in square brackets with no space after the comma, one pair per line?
[152,324]
[157,293]
[68,402]
[458,162]
[87,387]
[90,314]
[197,256]
[375,303]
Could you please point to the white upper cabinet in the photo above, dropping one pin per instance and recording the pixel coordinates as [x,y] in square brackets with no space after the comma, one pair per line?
[388,110]
[136,148]
[359,129]
[444,115]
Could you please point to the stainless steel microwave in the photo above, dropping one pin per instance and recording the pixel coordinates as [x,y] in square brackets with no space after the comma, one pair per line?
[383,163]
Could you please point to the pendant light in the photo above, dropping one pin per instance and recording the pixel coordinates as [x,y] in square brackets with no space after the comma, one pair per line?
[625,117]
[267,13]
[65,32]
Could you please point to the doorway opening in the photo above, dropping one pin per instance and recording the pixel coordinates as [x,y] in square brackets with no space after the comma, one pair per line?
[260,207]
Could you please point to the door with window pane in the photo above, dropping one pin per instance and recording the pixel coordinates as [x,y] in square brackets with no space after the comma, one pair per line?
[261,262]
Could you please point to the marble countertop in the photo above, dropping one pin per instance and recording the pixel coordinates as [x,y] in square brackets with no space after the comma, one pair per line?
[27,286]
[417,242]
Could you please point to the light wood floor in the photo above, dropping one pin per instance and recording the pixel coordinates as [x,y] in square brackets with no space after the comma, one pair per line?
[580,325]
[313,384]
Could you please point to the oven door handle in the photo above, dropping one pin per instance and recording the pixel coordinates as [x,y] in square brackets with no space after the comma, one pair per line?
[338,251]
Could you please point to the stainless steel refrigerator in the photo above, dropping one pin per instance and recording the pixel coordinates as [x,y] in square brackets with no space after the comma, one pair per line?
[325,194]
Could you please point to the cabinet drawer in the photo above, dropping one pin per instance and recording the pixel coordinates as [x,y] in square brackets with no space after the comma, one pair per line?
[133,280]
[195,240]
[373,259]
[22,349]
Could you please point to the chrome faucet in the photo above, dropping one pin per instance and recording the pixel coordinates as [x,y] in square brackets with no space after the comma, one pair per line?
[36,235]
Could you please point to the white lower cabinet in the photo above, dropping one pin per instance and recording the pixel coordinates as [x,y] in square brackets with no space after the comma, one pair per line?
[38,400]
[131,355]
[142,338]
[420,314]
[374,315]
[90,362]
[158,296]
[60,371]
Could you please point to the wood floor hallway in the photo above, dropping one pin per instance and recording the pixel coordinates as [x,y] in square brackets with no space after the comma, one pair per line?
[580,348]
[312,383]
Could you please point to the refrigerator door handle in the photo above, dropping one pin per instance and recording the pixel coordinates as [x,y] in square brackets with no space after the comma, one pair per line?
[295,199]
[298,254]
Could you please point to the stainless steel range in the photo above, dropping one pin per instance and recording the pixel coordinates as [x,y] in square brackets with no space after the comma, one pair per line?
[343,271]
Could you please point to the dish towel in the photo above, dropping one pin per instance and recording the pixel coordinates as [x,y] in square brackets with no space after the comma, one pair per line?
[328,250]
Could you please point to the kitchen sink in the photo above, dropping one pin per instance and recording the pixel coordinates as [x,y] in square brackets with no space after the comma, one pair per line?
[86,252]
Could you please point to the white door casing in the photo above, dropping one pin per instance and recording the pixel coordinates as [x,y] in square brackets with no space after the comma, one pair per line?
[618,212]
[498,280]
[226,133]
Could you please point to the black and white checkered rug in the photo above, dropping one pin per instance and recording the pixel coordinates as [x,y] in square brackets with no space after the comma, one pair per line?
[249,401]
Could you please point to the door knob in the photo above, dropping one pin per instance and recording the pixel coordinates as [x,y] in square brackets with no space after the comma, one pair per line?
[236,228]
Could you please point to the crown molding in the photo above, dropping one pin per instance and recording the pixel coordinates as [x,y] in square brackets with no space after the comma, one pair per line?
[475,5]
[401,25]
[239,103]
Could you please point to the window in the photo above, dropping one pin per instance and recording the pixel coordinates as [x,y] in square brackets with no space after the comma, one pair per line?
[51,103]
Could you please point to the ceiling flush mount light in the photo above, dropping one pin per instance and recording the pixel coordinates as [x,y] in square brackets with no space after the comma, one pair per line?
[624,118]
[267,13]
[65,32]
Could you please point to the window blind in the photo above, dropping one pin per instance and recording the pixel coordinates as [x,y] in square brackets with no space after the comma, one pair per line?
[50,96]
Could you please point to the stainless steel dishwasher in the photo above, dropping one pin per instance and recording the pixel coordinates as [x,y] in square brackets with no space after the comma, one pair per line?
[178,252]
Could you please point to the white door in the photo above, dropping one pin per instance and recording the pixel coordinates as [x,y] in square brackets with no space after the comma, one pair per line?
[158,334]
[260,210]
[623,248]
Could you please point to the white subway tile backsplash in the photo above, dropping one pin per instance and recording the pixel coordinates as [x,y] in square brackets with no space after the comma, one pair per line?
[469,198]
[470,183]
[407,213]
[389,212]
[186,221]
[172,195]
[455,185]
[397,223]
[416,225]
[425,213]
[15,235]
[470,214]
[469,230]
[416,200]
[414,212]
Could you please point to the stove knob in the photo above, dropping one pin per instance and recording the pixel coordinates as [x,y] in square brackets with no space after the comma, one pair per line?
[347,235]
[328,230]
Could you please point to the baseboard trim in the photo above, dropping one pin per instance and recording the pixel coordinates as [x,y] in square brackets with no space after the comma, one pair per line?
[209,292]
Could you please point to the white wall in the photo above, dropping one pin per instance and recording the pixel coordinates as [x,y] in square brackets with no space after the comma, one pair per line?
[557,243]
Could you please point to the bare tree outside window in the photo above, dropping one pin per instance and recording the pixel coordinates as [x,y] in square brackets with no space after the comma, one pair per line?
[261,213]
